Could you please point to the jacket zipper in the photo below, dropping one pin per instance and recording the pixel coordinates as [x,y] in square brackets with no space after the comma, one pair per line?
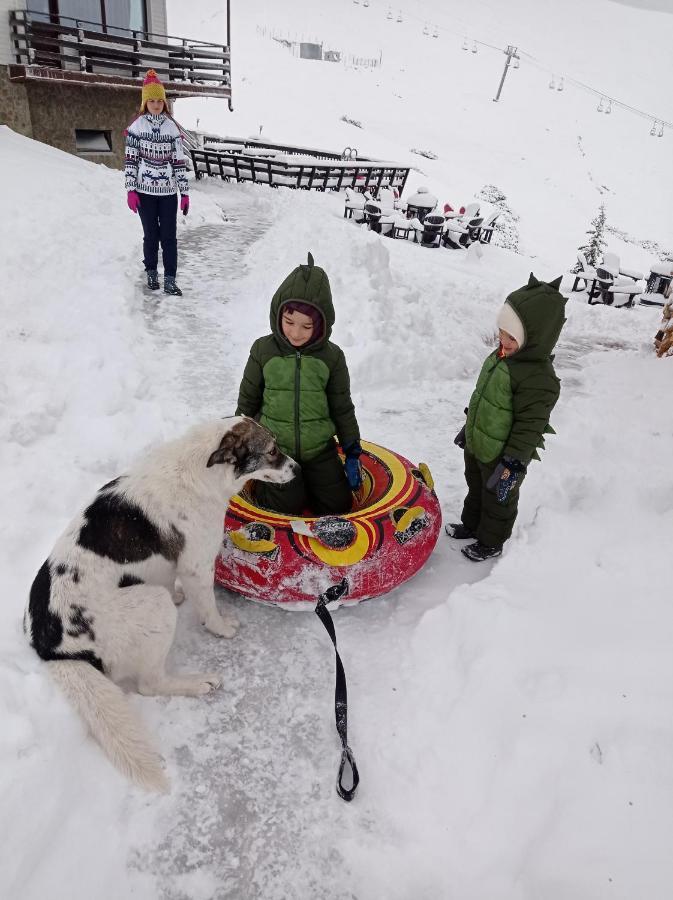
[481,396]
[297,378]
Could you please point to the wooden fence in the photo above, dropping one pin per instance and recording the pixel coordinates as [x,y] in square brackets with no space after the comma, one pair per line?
[295,167]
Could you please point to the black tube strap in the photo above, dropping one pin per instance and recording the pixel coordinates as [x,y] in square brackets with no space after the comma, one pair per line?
[335,592]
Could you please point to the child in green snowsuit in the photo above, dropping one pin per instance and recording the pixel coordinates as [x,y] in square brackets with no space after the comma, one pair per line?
[508,415]
[296,383]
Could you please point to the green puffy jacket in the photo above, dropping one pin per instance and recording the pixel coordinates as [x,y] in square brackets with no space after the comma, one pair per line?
[302,396]
[514,396]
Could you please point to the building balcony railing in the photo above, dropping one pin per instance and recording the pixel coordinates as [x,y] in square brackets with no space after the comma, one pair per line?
[65,49]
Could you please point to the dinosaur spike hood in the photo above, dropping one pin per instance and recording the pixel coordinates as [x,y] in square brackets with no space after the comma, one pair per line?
[511,404]
[307,284]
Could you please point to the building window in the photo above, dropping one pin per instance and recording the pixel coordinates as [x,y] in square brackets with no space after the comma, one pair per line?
[89,140]
[111,15]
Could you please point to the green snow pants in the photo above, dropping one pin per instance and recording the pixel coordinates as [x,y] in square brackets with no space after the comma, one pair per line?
[491,522]
[320,487]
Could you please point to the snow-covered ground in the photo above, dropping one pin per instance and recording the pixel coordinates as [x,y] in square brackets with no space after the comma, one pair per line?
[511,722]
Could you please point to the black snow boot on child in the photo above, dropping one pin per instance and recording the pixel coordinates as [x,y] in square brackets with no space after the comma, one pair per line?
[170,287]
[458,531]
[152,279]
[479,552]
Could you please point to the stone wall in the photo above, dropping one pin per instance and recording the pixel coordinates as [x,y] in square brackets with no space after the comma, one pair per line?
[56,110]
[14,109]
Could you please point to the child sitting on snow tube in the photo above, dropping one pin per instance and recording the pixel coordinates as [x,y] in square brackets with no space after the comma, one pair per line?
[296,383]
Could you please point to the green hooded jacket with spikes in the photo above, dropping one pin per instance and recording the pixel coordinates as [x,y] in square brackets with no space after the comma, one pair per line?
[513,399]
[301,395]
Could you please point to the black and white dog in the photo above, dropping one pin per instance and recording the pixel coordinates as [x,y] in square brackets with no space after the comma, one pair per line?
[102,607]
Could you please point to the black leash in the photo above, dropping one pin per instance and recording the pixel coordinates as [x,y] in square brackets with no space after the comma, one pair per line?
[340,694]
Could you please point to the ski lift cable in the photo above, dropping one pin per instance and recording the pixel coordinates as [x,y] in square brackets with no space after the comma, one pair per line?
[536,63]
[461,33]
[531,60]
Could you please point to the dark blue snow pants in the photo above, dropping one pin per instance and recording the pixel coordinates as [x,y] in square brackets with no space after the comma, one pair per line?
[159,213]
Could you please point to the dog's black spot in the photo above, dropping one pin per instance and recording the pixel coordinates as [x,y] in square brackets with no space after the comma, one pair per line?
[61,569]
[118,529]
[129,580]
[80,622]
[46,628]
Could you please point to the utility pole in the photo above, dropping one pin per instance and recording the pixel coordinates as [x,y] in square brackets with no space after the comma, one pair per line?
[511,54]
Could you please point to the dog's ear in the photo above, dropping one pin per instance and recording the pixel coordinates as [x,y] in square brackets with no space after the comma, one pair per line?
[226,452]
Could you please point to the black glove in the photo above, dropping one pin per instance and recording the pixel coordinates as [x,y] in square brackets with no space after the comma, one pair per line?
[352,465]
[504,477]
[459,439]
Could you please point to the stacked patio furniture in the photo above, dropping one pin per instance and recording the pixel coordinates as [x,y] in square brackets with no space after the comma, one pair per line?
[420,204]
[658,283]
[613,283]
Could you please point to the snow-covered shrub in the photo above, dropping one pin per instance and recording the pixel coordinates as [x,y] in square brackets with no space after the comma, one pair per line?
[506,231]
[428,154]
[593,250]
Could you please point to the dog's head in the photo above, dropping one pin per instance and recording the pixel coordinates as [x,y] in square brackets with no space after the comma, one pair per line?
[252,451]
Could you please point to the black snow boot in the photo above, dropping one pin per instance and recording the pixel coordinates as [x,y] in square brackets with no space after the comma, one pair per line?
[458,531]
[152,279]
[170,287]
[479,552]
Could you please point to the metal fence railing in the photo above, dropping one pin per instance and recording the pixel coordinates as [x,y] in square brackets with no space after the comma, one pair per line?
[294,167]
[60,42]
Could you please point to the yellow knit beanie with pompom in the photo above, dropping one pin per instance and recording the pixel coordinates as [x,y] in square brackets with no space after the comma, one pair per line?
[153,89]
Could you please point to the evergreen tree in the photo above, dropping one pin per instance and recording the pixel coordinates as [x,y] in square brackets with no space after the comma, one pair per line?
[593,250]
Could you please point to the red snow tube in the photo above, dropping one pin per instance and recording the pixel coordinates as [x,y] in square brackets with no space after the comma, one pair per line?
[290,560]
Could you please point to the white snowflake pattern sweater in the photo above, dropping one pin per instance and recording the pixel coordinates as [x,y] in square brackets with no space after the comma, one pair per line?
[155,159]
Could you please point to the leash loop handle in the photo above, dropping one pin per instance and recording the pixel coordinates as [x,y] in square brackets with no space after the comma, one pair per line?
[352,776]
[348,770]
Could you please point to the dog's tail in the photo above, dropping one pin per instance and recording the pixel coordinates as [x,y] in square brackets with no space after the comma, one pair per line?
[105,710]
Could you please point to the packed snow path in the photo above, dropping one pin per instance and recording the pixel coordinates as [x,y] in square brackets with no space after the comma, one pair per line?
[253,808]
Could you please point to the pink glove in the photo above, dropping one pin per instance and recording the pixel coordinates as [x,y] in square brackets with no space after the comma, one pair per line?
[184,204]
[133,201]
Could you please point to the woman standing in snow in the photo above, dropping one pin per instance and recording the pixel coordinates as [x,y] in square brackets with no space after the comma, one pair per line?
[155,172]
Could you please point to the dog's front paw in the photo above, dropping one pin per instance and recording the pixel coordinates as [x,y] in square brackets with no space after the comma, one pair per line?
[222,627]
[210,681]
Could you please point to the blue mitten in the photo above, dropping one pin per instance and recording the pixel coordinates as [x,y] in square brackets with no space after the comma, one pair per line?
[504,477]
[352,465]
